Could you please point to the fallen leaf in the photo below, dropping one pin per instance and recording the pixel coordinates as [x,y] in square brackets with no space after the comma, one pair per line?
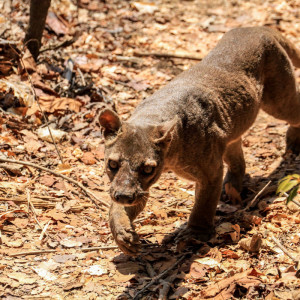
[235,235]
[45,274]
[88,158]
[70,243]
[19,222]
[208,261]
[119,277]
[63,258]
[22,278]
[57,215]
[225,288]
[45,135]
[97,270]
[145,8]
[12,243]
[229,253]
[47,180]
[55,24]
[198,270]
[251,244]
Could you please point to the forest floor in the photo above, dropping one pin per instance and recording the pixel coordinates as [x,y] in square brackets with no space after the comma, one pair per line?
[54,241]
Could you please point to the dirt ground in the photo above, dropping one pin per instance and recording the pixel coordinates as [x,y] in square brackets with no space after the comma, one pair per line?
[55,242]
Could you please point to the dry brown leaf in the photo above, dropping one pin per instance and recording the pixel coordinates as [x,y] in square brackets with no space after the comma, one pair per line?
[251,244]
[10,242]
[235,235]
[22,278]
[198,270]
[33,146]
[88,158]
[229,253]
[70,243]
[19,222]
[55,24]
[224,289]
[52,104]
[57,215]
[47,180]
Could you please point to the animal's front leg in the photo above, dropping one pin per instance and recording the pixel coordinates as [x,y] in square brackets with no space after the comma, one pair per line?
[207,195]
[120,221]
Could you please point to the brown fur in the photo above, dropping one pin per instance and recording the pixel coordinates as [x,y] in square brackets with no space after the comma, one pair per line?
[195,123]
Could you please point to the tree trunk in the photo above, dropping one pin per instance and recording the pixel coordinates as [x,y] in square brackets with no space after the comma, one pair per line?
[38,14]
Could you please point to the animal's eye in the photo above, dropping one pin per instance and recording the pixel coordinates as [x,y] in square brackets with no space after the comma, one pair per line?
[113,165]
[148,170]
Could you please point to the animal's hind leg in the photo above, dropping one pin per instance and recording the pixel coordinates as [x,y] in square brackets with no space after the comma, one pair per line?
[289,110]
[233,181]
[281,95]
[293,140]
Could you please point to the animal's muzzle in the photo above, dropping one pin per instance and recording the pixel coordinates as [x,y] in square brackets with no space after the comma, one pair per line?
[124,198]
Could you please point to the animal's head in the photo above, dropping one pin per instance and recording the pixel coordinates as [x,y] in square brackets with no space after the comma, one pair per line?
[134,156]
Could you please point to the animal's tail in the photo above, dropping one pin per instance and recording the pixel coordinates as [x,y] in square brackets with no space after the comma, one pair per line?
[290,48]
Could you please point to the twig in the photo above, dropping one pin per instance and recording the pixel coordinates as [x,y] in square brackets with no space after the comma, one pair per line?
[99,248]
[156,278]
[44,230]
[88,193]
[255,200]
[31,207]
[163,292]
[54,251]
[286,251]
[170,55]
[81,76]
[166,285]
[293,200]
[150,269]
[32,253]
[114,57]
[64,43]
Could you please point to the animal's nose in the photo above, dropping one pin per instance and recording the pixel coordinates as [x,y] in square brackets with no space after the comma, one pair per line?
[124,198]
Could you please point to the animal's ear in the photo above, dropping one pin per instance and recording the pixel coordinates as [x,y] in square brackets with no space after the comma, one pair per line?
[165,132]
[110,122]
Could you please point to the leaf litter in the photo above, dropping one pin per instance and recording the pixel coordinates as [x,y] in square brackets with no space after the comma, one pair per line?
[241,262]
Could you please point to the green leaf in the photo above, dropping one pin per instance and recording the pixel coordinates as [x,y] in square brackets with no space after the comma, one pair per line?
[286,185]
[292,194]
[290,177]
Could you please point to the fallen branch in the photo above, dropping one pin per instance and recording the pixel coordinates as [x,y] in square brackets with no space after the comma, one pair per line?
[32,252]
[255,200]
[65,43]
[88,193]
[286,251]
[156,278]
[169,55]
[31,207]
[54,251]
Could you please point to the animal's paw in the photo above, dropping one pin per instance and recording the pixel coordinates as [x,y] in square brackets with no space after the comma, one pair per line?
[127,240]
[190,233]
